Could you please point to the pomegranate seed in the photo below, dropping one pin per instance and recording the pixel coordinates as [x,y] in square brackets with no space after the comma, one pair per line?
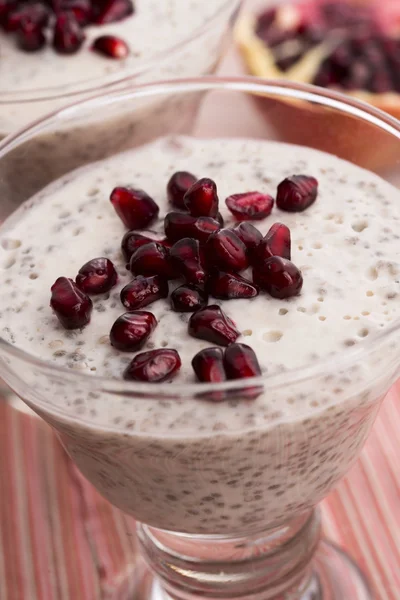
[72,306]
[37,14]
[68,35]
[188,298]
[30,37]
[154,366]
[179,225]
[250,236]
[152,259]
[275,243]
[208,365]
[131,241]
[110,11]
[97,276]
[134,207]
[81,9]
[279,277]
[228,286]
[250,206]
[297,193]
[132,329]
[177,187]
[212,324]
[111,46]
[201,199]
[185,258]
[143,291]
[240,362]
[226,251]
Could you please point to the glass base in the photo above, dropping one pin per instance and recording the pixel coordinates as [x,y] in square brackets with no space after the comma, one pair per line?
[289,563]
[334,577]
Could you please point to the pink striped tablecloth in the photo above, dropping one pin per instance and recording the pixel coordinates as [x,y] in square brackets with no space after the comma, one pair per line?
[59,540]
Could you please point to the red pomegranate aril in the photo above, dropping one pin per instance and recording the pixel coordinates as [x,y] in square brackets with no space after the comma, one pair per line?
[135,208]
[111,46]
[132,329]
[240,361]
[297,193]
[279,277]
[201,199]
[226,251]
[212,324]
[110,11]
[185,258]
[131,242]
[30,37]
[229,286]
[143,291]
[179,225]
[250,206]
[68,35]
[250,236]
[152,259]
[97,276]
[208,365]
[154,366]
[188,298]
[177,187]
[275,243]
[72,306]
[37,14]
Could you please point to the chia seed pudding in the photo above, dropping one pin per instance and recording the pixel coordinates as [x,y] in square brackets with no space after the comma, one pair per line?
[181,462]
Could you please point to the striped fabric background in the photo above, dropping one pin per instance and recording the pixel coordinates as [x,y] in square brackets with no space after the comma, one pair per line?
[59,540]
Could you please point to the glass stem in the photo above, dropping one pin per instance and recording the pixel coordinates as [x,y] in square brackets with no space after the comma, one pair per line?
[268,565]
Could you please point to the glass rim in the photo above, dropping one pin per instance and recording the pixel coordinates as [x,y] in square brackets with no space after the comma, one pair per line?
[247,84]
[98,84]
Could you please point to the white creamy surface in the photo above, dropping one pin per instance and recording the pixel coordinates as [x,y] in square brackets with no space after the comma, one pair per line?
[346,245]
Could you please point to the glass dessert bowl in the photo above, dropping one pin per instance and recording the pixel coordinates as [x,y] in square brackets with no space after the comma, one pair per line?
[185,41]
[223,478]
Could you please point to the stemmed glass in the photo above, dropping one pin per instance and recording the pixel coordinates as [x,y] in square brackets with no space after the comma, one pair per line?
[223,511]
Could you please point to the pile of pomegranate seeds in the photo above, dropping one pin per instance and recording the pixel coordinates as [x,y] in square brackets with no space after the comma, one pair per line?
[207,258]
[361,42]
[61,24]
